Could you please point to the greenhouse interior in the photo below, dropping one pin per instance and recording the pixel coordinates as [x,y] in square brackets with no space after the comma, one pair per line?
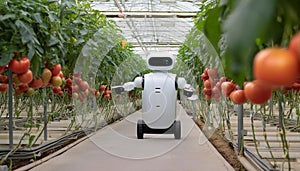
[149,85]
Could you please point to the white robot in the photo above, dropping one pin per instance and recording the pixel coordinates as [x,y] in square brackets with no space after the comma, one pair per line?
[159,96]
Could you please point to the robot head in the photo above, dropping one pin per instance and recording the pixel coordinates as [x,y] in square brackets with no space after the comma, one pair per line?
[160,61]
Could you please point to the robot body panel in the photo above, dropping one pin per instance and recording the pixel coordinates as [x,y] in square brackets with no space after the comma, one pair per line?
[159,100]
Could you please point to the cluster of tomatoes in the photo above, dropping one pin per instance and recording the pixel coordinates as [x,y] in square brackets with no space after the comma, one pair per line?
[212,84]
[78,88]
[24,82]
[274,68]
[21,74]
[214,87]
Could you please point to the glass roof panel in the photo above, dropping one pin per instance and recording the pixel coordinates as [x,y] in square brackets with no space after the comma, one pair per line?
[153,25]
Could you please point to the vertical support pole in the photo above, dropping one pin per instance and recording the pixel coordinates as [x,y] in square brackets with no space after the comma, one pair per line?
[280,110]
[45,115]
[240,129]
[10,109]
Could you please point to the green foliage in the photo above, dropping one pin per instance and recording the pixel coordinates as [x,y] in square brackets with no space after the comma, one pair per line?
[238,29]
[53,31]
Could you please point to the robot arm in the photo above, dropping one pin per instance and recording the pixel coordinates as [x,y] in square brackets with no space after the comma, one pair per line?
[188,90]
[138,82]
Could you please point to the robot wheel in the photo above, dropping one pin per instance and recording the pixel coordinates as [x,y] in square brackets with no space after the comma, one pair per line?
[143,128]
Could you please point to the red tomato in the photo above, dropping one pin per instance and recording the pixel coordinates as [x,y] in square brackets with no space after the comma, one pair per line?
[222,80]
[19,67]
[23,87]
[3,87]
[205,72]
[56,90]
[3,79]
[86,92]
[294,46]
[2,68]
[36,83]
[212,73]
[18,92]
[26,77]
[227,87]
[75,88]
[207,84]
[102,88]
[61,74]
[61,93]
[97,94]
[69,82]
[257,92]
[218,85]
[238,97]
[46,76]
[207,91]
[107,92]
[83,85]
[56,69]
[107,96]
[215,92]
[276,66]
[204,77]
[93,91]
[208,97]
[56,81]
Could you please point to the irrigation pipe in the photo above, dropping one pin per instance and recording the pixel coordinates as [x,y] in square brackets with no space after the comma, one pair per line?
[38,162]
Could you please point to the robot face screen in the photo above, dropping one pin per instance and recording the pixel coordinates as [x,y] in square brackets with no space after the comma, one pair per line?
[160,61]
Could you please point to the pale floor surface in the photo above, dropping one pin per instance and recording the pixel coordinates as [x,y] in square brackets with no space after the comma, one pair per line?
[115,147]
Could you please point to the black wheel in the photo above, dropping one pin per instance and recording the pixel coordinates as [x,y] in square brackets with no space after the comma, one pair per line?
[177,130]
[139,130]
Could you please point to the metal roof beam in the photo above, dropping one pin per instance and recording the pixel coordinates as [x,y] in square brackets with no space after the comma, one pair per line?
[110,14]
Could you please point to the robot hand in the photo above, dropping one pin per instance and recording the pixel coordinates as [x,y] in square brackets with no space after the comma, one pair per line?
[189,92]
[126,87]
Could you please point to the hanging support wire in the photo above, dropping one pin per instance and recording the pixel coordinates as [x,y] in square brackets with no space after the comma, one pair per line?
[130,24]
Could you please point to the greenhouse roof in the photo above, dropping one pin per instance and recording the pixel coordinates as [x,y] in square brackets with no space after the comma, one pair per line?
[153,25]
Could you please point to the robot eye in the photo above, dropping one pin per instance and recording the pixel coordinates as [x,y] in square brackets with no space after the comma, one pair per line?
[160,61]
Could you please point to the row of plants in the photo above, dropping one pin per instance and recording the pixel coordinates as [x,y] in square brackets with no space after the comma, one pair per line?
[254,61]
[63,56]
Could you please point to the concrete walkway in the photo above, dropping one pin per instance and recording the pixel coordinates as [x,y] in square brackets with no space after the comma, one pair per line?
[115,148]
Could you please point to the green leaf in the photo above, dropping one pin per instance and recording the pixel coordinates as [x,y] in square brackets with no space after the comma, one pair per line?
[25,30]
[31,50]
[5,58]
[53,41]
[7,16]
[249,20]
[35,64]
[37,18]
[212,27]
